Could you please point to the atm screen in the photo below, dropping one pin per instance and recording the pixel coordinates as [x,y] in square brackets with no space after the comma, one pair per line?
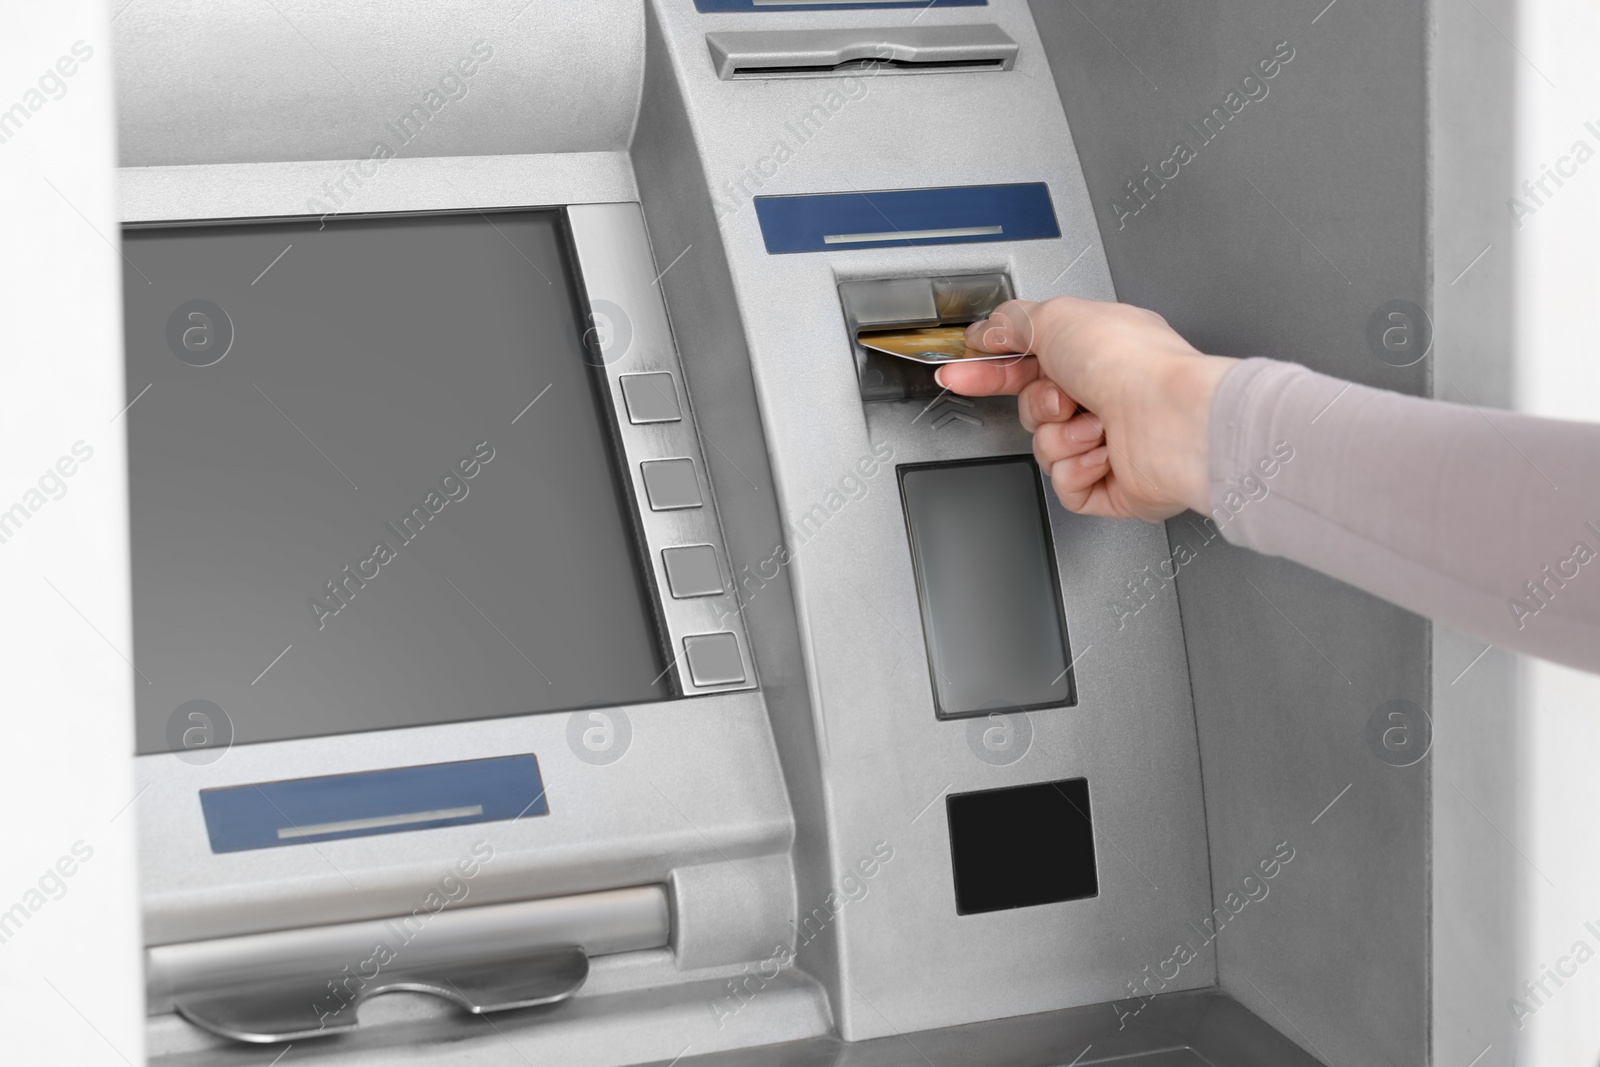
[372,482]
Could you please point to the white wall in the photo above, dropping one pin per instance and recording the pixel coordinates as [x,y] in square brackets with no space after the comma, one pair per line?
[69,961]
[1558,374]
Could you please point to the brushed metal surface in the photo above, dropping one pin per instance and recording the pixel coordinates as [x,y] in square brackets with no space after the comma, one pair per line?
[249,190]
[231,81]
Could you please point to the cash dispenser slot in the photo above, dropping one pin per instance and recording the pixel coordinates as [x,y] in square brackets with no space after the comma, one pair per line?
[879,304]
[814,53]
[291,985]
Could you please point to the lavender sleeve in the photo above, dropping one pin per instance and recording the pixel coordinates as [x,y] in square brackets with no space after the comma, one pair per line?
[1487,521]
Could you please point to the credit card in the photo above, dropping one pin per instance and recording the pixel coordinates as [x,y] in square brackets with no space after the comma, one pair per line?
[929,344]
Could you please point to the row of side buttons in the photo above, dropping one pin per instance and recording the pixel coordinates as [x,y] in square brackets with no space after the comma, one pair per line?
[692,571]
[670,484]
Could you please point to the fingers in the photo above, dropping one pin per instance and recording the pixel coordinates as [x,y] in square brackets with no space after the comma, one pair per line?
[1043,401]
[1078,480]
[982,378]
[1055,441]
[1010,328]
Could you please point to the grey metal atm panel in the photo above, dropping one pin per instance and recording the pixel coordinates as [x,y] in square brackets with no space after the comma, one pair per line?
[1299,216]
[230,82]
[869,761]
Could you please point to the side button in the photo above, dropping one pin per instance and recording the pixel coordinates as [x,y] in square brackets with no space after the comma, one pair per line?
[692,571]
[670,484]
[713,659]
[650,398]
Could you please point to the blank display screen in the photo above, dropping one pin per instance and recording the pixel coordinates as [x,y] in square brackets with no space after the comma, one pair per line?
[1022,846]
[986,578]
[371,480]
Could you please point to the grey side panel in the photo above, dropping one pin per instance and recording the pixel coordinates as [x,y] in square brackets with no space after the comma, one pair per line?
[230,81]
[1477,739]
[711,345]
[1282,235]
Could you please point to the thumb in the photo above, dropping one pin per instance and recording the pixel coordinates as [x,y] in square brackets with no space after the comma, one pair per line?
[1009,328]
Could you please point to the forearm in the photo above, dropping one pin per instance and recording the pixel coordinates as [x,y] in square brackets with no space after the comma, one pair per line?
[1487,521]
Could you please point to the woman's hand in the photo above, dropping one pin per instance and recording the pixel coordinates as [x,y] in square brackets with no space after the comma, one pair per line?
[1118,404]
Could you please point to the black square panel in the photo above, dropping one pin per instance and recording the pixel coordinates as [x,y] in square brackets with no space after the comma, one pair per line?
[1022,846]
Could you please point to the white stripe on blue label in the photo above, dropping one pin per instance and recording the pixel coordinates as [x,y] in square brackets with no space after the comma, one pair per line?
[706,6]
[302,810]
[888,218]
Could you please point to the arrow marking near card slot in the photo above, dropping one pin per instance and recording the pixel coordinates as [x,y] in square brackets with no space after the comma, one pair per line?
[949,410]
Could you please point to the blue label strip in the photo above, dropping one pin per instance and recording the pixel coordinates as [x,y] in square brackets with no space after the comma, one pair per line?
[960,215]
[706,6]
[304,810]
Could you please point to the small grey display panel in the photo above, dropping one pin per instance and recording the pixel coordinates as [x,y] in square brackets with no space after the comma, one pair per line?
[372,482]
[986,579]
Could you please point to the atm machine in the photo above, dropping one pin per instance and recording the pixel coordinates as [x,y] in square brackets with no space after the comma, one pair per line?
[559,639]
